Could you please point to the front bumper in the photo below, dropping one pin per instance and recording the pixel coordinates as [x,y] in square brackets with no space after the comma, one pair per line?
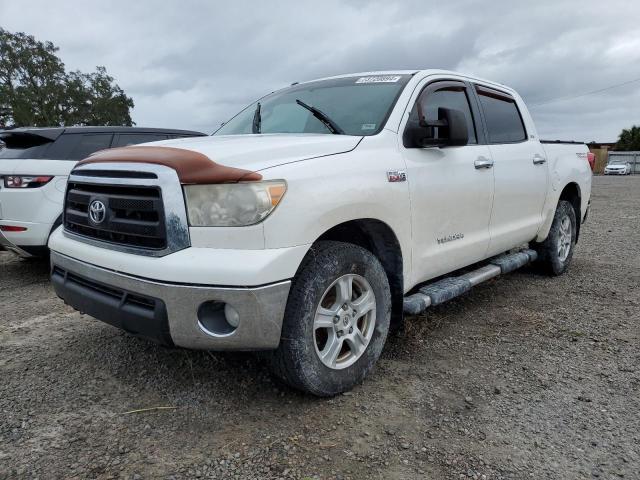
[615,172]
[170,313]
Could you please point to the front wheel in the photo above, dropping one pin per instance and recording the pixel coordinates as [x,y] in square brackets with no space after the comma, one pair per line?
[556,252]
[336,321]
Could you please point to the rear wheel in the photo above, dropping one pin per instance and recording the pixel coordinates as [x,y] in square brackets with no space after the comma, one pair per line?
[556,252]
[336,321]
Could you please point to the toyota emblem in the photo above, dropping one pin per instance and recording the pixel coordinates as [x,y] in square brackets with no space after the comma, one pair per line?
[97,211]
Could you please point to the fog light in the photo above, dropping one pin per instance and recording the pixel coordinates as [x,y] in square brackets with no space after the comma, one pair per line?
[218,318]
[232,315]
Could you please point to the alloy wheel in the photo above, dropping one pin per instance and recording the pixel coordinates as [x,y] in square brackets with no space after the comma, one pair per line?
[564,238]
[344,321]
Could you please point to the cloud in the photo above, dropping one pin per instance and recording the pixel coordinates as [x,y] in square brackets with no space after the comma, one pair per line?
[193,64]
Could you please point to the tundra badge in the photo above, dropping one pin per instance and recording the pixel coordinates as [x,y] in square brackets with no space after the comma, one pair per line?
[451,238]
[397,176]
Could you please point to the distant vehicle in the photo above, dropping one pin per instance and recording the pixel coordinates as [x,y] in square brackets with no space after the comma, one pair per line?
[617,167]
[310,222]
[34,166]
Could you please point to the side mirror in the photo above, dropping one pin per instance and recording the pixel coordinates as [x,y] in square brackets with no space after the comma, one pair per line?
[451,131]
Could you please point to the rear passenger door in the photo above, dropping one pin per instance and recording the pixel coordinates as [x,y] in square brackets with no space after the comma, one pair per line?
[519,169]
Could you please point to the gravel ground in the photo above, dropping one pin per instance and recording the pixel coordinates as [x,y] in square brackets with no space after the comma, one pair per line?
[525,377]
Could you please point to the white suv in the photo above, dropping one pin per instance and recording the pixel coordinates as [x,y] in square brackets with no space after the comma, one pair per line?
[34,166]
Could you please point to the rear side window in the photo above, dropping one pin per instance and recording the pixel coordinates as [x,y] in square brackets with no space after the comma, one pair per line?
[502,117]
[88,144]
[133,139]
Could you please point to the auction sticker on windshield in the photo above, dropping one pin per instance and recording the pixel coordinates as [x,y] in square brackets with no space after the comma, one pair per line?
[379,79]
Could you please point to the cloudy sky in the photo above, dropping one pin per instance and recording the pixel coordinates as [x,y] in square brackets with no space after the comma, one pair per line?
[192,64]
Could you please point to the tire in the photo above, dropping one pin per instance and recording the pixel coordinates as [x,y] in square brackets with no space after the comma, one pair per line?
[310,325]
[552,257]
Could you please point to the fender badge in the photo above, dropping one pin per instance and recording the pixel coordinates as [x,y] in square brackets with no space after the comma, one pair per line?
[451,238]
[397,176]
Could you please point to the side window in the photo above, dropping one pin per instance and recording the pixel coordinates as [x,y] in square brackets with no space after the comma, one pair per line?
[502,117]
[125,139]
[63,146]
[452,97]
[90,143]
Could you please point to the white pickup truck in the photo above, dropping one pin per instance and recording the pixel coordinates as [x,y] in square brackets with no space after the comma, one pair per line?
[314,219]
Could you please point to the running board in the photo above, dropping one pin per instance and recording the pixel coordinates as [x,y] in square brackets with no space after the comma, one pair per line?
[451,287]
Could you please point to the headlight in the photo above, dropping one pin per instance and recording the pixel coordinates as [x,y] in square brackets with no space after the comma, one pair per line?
[232,204]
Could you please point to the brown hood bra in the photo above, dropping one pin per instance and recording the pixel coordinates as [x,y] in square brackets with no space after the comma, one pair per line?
[192,167]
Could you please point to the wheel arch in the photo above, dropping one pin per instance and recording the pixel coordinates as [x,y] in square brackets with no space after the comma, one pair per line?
[572,194]
[378,238]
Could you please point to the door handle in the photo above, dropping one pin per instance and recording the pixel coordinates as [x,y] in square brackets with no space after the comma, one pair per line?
[539,159]
[483,162]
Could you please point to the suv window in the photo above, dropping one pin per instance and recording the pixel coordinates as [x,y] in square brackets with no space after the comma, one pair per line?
[502,117]
[24,146]
[125,139]
[452,97]
[88,144]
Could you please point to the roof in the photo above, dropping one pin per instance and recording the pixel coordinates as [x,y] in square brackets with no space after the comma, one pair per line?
[422,72]
[54,132]
[365,74]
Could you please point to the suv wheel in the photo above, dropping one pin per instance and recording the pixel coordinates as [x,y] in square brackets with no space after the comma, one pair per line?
[556,251]
[336,321]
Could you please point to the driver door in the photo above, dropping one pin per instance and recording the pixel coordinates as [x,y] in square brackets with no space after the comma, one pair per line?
[451,188]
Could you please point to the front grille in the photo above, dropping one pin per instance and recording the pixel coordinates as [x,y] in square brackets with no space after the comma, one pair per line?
[134,215]
[116,174]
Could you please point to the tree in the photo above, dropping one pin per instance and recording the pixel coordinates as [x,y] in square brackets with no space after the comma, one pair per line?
[93,99]
[36,90]
[629,139]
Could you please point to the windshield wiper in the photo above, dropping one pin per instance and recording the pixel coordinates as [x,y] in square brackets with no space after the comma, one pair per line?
[257,120]
[330,124]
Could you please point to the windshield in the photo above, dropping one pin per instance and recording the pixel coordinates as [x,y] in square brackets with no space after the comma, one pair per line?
[355,105]
[618,162]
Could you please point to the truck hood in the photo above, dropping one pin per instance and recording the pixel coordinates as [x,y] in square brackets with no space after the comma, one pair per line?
[257,152]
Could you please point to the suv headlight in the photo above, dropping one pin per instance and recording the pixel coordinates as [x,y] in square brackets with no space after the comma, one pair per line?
[232,204]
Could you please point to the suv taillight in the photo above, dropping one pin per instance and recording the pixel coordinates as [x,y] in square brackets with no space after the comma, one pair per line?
[591,158]
[26,181]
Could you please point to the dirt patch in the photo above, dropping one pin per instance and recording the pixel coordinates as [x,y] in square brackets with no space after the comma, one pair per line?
[525,377]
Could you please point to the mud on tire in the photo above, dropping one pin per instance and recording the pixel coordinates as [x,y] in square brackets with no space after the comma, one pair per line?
[555,253]
[297,361]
